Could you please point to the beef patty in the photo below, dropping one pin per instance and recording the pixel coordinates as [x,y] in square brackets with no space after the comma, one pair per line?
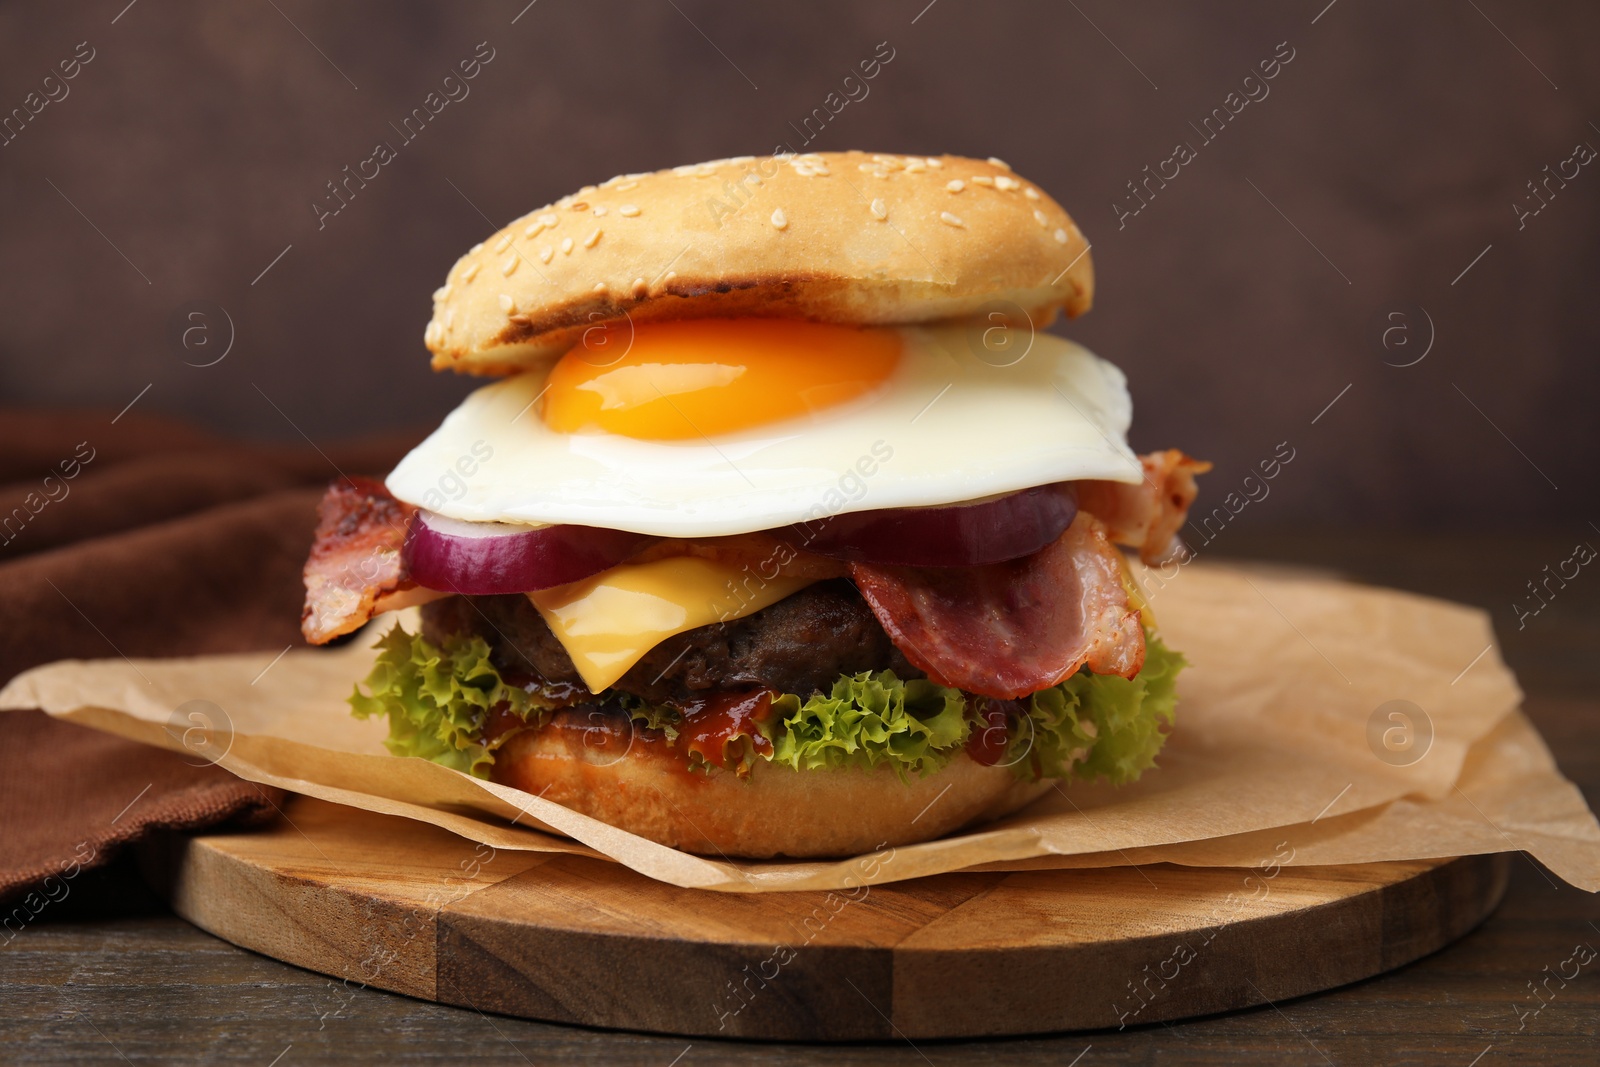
[800,645]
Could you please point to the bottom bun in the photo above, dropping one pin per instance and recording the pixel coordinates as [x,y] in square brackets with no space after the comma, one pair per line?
[645,788]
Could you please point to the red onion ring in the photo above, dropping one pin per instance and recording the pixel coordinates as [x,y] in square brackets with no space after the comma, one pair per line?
[959,535]
[482,558]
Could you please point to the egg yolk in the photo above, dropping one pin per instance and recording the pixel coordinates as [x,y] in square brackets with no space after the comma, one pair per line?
[692,378]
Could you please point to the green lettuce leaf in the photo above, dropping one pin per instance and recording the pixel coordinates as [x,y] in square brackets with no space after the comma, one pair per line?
[868,720]
[1090,726]
[436,699]
[654,716]
[1099,725]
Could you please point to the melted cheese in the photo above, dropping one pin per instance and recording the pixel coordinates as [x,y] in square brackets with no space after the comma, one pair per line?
[1136,597]
[608,623]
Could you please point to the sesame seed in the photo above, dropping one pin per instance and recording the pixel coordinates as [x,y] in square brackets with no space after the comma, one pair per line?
[600,210]
[955,185]
[599,287]
[590,241]
[534,229]
[742,159]
[545,253]
[502,244]
[471,271]
[1061,237]
[1031,193]
[639,285]
[580,206]
[510,265]
[982,179]
[628,211]
[810,165]
[779,219]
[430,336]
[685,170]
[953,220]
[880,210]
[625,186]
[1002,164]
[549,219]
[449,317]
[442,292]
[507,304]
[671,274]
[566,246]
[916,166]
[1002,181]
[475,249]
[934,162]
[1039,217]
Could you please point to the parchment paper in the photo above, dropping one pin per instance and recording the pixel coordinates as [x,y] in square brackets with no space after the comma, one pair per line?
[1285,732]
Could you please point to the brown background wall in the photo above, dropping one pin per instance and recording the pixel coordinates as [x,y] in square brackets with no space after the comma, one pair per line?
[1241,300]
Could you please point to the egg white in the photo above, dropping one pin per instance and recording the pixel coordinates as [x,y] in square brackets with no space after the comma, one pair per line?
[946,427]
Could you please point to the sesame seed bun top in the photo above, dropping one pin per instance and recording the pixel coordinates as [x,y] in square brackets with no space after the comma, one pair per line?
[851,237]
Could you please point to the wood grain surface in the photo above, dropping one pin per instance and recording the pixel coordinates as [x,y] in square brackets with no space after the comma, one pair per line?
[382,901]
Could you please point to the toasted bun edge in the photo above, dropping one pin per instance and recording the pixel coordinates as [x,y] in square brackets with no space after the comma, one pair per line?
[775,811]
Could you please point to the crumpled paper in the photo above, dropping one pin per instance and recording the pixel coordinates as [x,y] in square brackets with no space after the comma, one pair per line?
[1356,724]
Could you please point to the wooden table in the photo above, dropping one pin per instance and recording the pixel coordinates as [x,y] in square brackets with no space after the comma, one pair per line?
[107,975]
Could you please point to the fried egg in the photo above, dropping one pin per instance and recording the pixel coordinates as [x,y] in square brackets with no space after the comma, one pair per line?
[703,428]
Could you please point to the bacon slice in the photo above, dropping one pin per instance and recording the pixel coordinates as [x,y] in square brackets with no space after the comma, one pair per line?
[354,571]
[1005,630]
[1149,515]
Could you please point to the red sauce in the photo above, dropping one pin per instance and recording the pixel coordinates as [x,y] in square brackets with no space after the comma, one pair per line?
[557,694]
[501,721]
[606,733]
[986,744]
[710,724]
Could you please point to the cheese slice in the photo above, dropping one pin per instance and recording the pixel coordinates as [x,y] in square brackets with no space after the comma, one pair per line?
[1136,597]
[608,623]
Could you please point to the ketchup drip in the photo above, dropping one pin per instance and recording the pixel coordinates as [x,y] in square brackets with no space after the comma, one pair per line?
[707,727]
[557,694]
[501,720]
[986,744]
[710,724]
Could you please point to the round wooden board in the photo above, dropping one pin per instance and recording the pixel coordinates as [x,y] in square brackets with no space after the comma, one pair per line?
[397,905]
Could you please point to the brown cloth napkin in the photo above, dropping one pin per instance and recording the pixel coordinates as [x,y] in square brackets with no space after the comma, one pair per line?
[139,537]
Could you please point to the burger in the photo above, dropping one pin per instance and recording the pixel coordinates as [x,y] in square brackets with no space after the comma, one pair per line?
[785,529]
